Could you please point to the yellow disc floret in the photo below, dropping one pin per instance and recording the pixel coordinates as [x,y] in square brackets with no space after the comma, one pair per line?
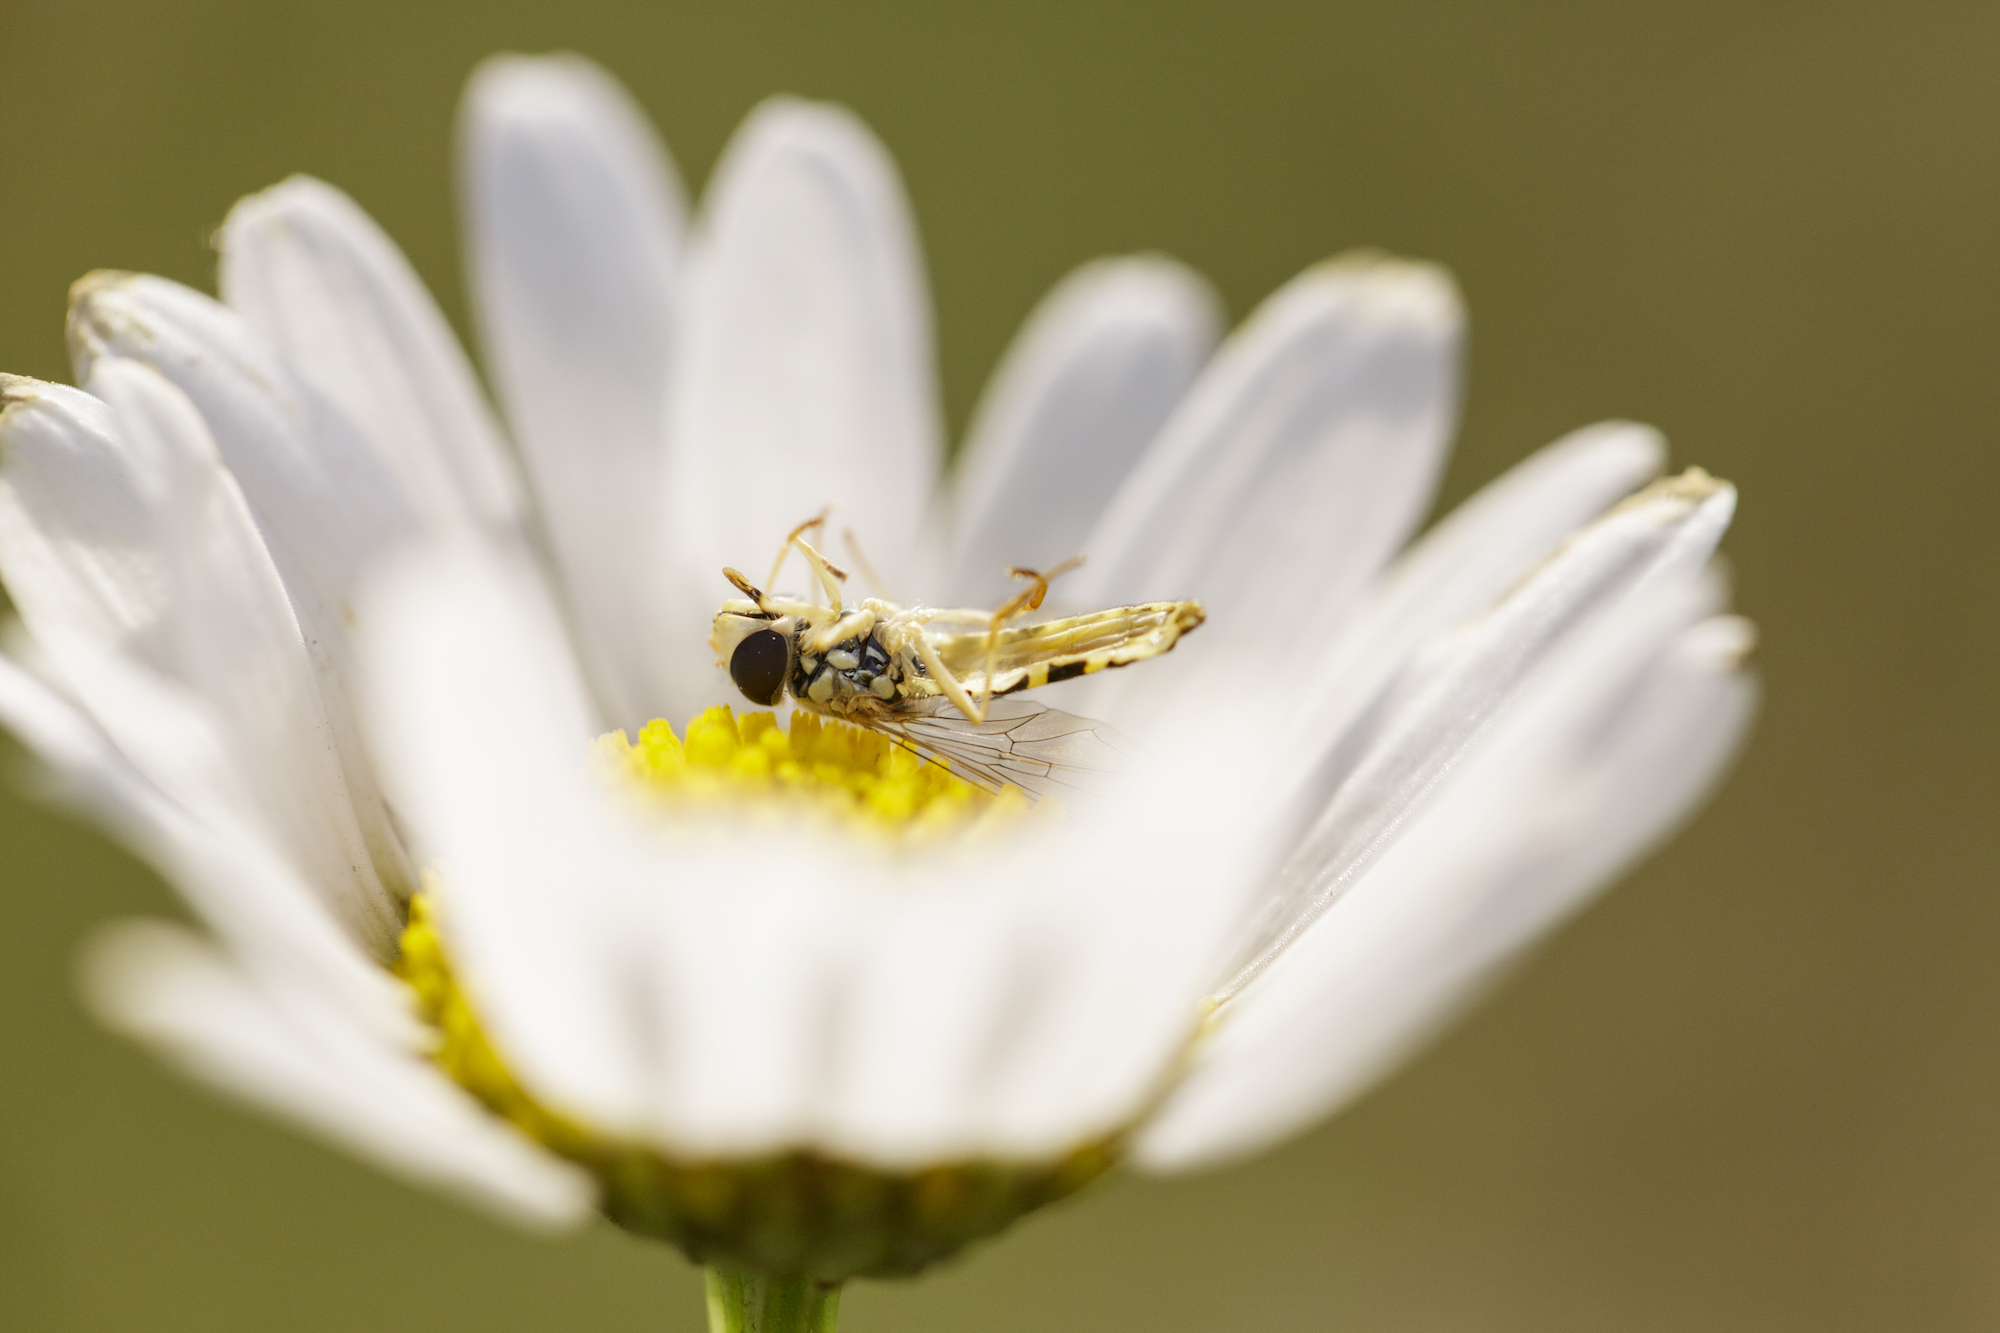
[820,770]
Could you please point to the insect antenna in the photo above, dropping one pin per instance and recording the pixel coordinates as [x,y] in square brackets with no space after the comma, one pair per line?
[746,587]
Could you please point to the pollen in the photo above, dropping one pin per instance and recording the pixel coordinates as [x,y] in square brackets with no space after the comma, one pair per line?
[820,770]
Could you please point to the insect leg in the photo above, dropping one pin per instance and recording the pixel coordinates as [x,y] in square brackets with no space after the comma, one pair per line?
[946,681]
[785,546]
[874,580]
[853,625]
[823,568]
[1033,596]
[1029,599]
[827,571]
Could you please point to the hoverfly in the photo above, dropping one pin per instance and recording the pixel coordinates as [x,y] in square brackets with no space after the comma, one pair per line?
[897,670]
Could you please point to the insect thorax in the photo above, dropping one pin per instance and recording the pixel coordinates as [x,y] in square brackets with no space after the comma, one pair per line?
[861,676]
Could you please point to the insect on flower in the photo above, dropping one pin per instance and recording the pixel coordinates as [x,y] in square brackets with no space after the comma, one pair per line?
[890,668]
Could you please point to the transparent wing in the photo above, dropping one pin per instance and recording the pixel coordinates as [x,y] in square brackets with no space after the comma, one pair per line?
[1043,751]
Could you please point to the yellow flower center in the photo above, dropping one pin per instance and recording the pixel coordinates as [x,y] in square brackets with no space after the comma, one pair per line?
[799,1212]
[822,771]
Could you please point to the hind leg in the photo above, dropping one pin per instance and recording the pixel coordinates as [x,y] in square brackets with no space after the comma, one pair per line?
[1028,599]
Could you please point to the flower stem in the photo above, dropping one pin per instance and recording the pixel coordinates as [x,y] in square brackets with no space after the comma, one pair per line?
[744,1302]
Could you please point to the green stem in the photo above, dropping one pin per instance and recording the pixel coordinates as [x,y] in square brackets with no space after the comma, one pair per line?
[744,1302]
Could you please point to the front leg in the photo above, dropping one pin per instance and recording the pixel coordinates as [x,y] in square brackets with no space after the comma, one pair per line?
[853,625]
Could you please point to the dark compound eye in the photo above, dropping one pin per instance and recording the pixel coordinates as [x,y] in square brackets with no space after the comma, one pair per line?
[759,666]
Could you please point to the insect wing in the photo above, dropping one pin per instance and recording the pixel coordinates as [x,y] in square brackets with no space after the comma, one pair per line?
[1043,751]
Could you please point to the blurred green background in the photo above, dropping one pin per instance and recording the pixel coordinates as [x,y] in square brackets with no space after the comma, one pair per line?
[1755,1088]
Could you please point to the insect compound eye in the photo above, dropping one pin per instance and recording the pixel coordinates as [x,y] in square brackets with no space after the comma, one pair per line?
[759,666]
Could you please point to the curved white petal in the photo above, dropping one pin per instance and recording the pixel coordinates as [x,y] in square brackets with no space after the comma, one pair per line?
[326,505]
[1302,458]
[1476,553]
[271,919]
[747,990]
[81,766]
[80,541]
[239,648]
[484,731]
[1373,781]
[164,986]
[1017,1007]
[1609,751]
[574,217]
[314,274]
[121,535]
[806,377]
[1087,384]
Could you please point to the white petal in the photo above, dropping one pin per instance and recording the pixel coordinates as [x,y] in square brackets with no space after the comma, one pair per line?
[238,646]
[315,275]
[945,985]
[1471,557]
[1087,384]
[271,918]
[1371,783]
[1018,1013]
[746,1072]
[485,735]
[125,537]
[80,542]
[1009,1006]
[807,378]
[1303,457]
[573,217]
[162,985]
[325,504]
[83,769]
[1605,757]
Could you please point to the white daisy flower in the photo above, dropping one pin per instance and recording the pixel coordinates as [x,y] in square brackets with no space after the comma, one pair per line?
[808,1008]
